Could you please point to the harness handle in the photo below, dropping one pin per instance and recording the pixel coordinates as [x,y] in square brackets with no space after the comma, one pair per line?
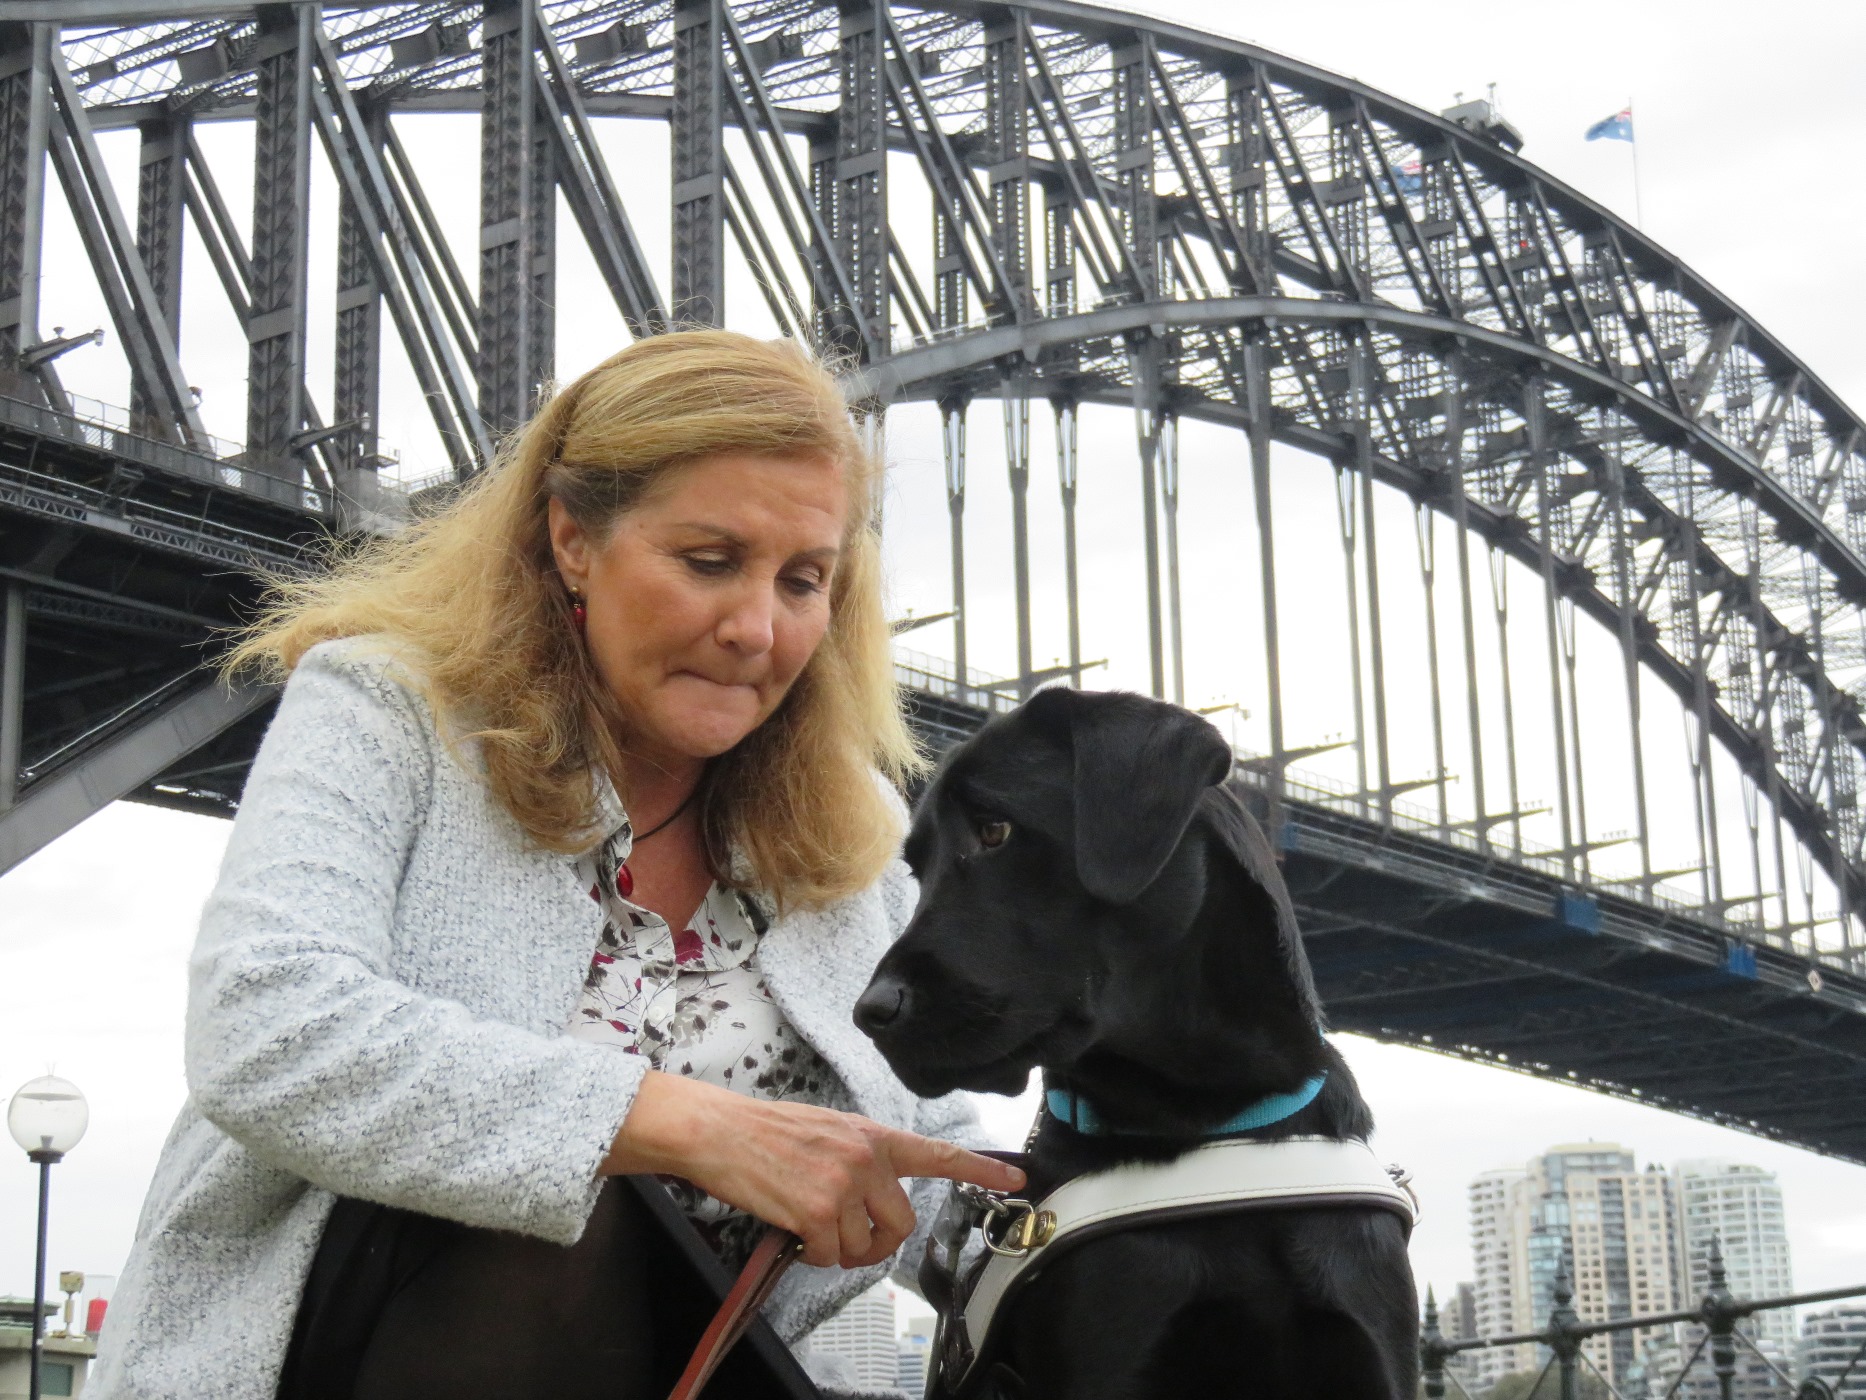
[777,1250]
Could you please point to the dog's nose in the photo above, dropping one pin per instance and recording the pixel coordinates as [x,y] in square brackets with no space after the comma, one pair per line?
[881,1005]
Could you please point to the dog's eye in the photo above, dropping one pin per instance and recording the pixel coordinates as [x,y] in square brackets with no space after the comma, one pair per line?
[993,834]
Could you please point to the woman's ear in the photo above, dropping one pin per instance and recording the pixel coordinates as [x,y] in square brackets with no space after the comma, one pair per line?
[570,545]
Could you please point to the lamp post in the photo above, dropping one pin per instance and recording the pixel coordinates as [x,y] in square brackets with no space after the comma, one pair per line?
[47,1117]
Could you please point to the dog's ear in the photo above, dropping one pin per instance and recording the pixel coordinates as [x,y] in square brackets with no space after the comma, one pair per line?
[1141,767]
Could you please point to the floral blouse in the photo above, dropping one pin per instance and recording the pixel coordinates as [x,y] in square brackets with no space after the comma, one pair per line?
[695,1003]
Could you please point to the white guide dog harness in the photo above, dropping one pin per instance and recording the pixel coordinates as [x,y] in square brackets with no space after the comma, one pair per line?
[1214,1178]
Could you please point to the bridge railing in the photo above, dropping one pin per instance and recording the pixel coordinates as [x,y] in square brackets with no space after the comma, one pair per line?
[1323,791]
[1710,1331]
[212,461]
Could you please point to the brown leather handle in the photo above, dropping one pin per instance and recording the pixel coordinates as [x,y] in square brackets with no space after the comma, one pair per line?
[775,1253]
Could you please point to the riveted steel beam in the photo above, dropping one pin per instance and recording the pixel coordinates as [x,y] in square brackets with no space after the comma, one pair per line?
[518,219]
[147,339]
[594,200]
[276,315]
[699,196]
[160,199]
[358,371]
[25,116]
[181,720]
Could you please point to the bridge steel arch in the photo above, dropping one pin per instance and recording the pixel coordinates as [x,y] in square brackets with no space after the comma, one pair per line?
[1122,211]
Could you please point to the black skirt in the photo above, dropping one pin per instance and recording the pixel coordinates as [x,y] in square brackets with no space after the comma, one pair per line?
[401,1306]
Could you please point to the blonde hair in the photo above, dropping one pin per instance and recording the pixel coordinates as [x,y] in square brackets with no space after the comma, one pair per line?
[474,595]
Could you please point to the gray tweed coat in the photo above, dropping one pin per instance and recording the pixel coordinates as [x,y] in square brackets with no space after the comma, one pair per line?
[376,1008]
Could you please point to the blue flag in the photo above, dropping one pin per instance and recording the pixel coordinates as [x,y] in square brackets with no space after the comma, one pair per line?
[1618,127]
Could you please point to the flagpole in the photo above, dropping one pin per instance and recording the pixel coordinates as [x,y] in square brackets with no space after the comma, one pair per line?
[1639,209]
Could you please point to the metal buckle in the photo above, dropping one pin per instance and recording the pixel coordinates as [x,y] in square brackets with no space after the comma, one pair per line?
[1019,1226]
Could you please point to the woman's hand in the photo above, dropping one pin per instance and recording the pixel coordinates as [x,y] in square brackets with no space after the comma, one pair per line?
[832,1179]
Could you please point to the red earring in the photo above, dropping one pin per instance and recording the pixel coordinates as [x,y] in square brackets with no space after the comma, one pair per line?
[577,610]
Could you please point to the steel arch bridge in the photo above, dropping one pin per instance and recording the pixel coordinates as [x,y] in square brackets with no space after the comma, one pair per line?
[1106,209]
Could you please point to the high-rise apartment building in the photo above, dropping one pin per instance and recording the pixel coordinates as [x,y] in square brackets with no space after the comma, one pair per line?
[1741,1207]
[1499,1293]
[1587,1207]
[1830,1341]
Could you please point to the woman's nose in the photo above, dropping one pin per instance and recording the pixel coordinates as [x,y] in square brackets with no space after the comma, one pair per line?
[748,626]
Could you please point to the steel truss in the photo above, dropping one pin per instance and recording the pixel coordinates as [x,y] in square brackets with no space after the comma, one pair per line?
[1123,212]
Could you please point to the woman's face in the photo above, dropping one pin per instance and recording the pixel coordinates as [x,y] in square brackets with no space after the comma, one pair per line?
[707,599]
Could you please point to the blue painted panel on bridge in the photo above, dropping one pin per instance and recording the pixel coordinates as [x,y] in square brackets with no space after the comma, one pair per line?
[1577,911]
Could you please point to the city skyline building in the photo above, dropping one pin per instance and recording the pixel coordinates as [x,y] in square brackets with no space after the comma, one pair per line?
[1830,1342]
[1741,1207]
[1588,1208]
[863,1334]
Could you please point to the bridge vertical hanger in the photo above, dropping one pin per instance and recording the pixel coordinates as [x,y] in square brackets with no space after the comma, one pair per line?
[1425,526]
[518,219]
[12,690]
[25,116]
[1571,656]
[1347,511]
[161,184]
[1540,462]
[1710,851]
[1500,605]
[1362,366]
[1169,493]
[1451,375]
[699,160]
[1261,410]
[1066,467]
[275,329]
[1144,368]
[358,352]
[952,441]
[1016,400]
[1627,596]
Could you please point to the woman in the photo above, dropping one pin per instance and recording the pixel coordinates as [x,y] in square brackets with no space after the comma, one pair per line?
[566,856]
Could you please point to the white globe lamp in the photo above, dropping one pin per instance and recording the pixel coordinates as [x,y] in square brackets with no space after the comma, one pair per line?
[47,1117]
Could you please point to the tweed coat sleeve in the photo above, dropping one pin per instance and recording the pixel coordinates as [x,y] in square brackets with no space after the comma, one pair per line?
[302,1044]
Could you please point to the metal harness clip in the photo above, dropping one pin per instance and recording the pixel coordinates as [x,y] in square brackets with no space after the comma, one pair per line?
[1009,1225]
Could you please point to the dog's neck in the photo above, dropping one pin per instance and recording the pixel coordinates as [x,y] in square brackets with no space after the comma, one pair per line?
[1223,1028]
[1058,1152]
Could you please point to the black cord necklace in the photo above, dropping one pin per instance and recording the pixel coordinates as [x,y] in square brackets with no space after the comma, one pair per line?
[670,818]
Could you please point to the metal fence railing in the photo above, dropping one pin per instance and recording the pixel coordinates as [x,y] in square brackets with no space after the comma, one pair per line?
[1569,1373]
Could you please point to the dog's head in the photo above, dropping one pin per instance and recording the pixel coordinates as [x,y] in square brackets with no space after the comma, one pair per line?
[1065,855]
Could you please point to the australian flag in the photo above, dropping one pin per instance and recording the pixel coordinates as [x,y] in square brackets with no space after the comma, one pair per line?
[1618,127]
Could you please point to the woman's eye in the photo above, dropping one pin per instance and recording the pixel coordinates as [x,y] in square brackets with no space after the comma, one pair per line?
[804,584]
[993,834]
[709,565]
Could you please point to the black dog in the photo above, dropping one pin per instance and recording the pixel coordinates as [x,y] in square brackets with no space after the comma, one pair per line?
[1095,900]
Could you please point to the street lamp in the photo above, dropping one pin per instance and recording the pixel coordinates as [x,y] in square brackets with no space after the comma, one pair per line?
[47,1117]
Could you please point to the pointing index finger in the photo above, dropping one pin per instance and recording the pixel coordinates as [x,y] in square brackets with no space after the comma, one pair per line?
[913,1155]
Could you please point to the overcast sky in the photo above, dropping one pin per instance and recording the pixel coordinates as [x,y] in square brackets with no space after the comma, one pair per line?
[1749,129]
